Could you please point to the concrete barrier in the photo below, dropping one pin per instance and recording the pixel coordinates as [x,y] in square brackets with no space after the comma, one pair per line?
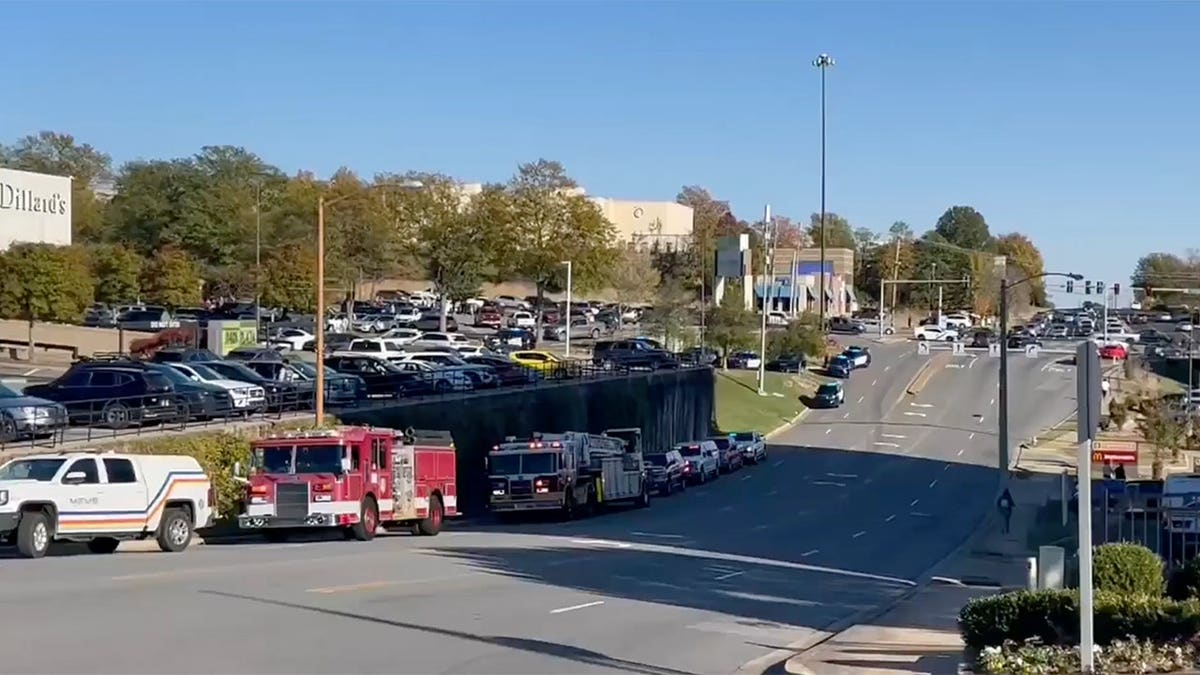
[931,367]
[86,339]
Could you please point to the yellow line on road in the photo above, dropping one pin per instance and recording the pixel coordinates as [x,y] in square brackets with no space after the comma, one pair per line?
[350,588]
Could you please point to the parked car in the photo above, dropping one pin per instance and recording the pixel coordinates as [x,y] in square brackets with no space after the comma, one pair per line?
[111,394]
[246,398]
[23,416]
[829,395]
[182,355]
[1114,351]
[860,357]
[196,400]
[636,353]
[521,338]
[839,366]
[489,318]
[340,388]
[935,333]
[435,339]
[698,356]
[788,363]
[521,319]
[508,372]
[247,354]
[292,339]
[442,380]
[431,321]
[751,444]
[665,471]
[702,460]
[729,458]
[481,375]
[581,328]
[381,378]
[846,325]
[279,395]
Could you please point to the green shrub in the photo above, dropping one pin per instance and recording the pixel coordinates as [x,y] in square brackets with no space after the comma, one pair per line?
[1127,568]
[1052,617]
[1185,581]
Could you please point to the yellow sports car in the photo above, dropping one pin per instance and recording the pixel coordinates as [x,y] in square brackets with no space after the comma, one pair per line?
[543,362]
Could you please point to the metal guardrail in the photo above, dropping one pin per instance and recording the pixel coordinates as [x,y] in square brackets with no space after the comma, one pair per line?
[133,416]
[1130,515]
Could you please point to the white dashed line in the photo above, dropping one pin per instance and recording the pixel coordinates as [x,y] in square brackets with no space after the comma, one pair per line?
[892,436]
[746,477]
[933,482]
[973,360]
[886,368]
[971,437]
[726,509]
[946,468]
[772,493]
[842,475]
[980,420]
[921,405]
[914,502]
[829,483]
[845,415]
[913,414]
[886,445]
[889,518]
[874,382]
[572,608]
[860,398]
[918,514]
[808,553]
[960,453]
[992,402]
[729,575]
[858,534]
[828,431]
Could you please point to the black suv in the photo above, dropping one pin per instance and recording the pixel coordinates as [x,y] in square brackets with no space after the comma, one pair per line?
[847,326]
[664,471]
[383,379]
[114,395]
[611,354]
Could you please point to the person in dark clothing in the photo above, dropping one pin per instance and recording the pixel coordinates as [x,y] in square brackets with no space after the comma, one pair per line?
[1119,474]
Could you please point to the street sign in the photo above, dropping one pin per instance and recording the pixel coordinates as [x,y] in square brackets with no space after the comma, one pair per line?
[1087,391]
[959,349]
[994,350]
[1114,452]
[922,348]
[1032,351]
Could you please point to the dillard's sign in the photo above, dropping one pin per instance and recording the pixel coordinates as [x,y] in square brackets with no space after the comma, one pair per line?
[23,199]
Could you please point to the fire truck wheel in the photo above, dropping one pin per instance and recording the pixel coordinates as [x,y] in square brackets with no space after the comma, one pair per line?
[175,531]
[368,521]
[431,525]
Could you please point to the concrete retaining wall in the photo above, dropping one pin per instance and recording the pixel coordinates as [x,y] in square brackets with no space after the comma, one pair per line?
[668,406]
[88,340]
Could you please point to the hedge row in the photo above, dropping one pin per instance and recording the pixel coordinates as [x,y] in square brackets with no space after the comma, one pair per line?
[1052,617]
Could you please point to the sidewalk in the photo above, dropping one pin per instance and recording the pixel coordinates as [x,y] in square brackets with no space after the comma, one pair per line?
[920,634]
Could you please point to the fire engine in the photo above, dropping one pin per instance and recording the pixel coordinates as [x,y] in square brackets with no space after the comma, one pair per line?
[353,478]
[567,472]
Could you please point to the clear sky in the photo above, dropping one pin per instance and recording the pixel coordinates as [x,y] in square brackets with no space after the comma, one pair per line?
[1075,123]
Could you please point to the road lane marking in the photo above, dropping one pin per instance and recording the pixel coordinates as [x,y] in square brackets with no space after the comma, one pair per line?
[889,518]
[971,437]
[874,382]
[933,482]
[829,483]
[760,527]
[828,431]
[921,405]
[858,534]
[572,608]
[808,553]
[729,575]
[779,463]
[349,588]
[658,535]
[603,542]
[860,398]
[892,436]
[886,368]
[980,420]
[919,514]
[746,477]
[914,502]
[845,415]
[946,468]
[30,372]
[887,445]
[726,509]
[973,360]
[960,453]
[772,493]
[992,402]
[842,475]
[913,414]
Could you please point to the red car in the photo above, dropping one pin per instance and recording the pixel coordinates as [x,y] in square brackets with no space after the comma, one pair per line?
[489,318]
[1114,352]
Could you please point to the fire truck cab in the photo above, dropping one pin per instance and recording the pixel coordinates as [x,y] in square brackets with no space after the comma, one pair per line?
[353,478]
[571,472]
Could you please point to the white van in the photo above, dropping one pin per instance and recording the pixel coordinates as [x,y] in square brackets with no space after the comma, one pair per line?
[102,499]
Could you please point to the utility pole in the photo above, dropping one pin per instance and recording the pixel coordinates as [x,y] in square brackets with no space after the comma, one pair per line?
[567,348]
[1002,397]
[895,276]
[823,62]
[258,259]
[766,297]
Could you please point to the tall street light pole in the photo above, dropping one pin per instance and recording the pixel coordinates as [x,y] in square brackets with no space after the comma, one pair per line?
[823,62]
[258,260]
[319,394]
[1005,287]
[767,279]
[567,335]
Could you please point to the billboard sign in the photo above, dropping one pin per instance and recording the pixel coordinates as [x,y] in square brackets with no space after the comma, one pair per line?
[1114,452]
[34,208]
[733,256]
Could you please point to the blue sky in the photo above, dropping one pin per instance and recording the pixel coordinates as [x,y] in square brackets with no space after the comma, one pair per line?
[1075,123]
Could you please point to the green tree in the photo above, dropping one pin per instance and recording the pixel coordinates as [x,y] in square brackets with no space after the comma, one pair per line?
[671,316]
[172,278]
[838,231]
[1164,432]
[634,278]
[731,325]
[1165,270]
[1027,259]
[707,212]
[43,282]
[289,278]
[117,270]
[549,222]
[801,337]
[964,227]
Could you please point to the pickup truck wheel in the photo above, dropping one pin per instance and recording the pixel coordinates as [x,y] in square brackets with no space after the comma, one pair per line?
[103,545]
[175,531]
[368,521]
[33,534]
[432,524]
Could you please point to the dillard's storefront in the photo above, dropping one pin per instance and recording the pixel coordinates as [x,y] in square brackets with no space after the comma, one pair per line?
[34,208]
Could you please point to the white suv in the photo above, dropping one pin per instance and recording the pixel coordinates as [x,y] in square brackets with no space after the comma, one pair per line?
[103,499]
[702,460]
[935,333]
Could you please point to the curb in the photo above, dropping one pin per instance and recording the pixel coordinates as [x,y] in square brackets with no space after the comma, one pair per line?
[918,382]
[786,425]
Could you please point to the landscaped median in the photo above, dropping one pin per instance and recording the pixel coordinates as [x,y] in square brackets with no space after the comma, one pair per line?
[1144,623]
[741,408]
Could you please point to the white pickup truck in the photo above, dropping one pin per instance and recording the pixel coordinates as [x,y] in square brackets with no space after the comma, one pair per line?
[103,499]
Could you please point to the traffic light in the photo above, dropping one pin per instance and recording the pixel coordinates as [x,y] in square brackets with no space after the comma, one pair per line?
[1116,289]
[1070,285]
[1101,289]
[1087,288]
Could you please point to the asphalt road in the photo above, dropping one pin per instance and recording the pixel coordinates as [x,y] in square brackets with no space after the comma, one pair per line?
[850,508]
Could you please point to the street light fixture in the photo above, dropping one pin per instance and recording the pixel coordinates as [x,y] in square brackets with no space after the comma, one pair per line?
[319,394]
[1003,394]
[824,62]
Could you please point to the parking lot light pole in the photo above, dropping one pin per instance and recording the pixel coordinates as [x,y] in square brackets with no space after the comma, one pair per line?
[1002,418]
[567,347]
[319,393]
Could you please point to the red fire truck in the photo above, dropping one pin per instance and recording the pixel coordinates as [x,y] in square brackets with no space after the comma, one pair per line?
[353,478]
